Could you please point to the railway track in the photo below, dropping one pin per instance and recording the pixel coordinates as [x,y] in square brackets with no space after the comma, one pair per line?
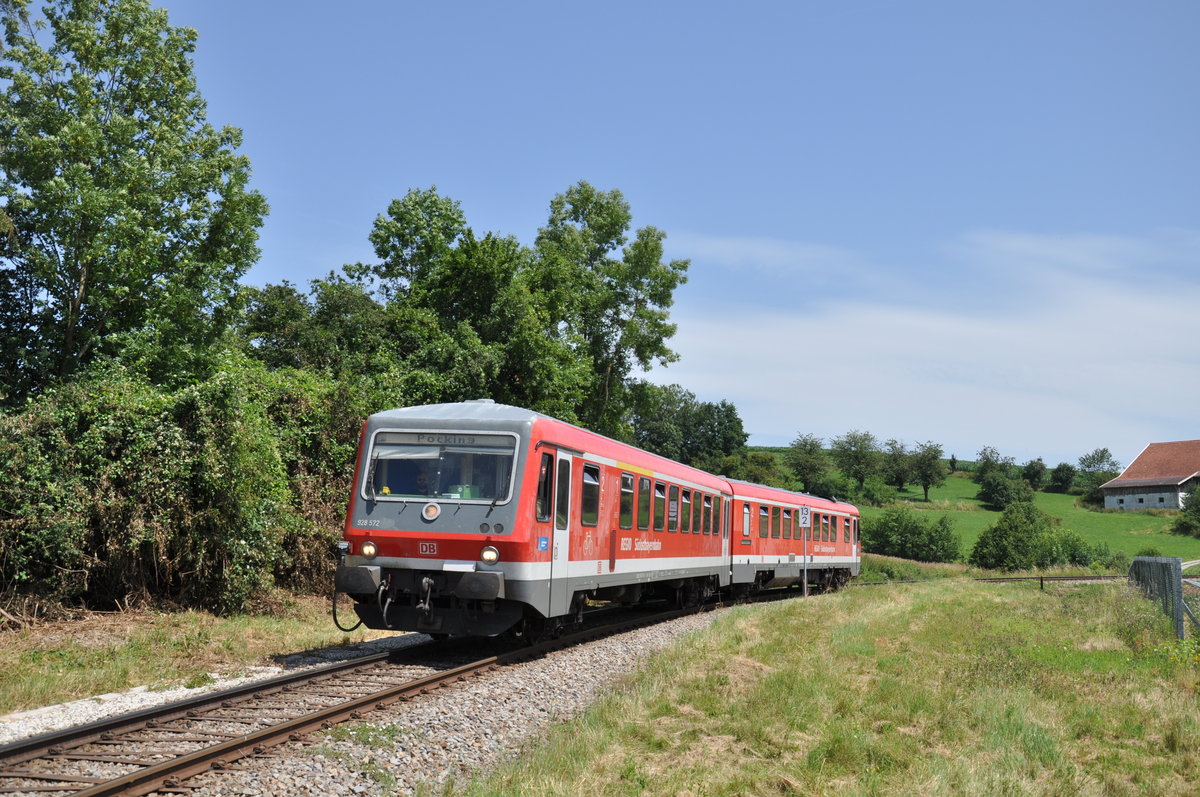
[157,749]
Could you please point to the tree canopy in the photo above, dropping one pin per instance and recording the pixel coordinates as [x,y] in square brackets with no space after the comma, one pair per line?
[857,455]
[132,215]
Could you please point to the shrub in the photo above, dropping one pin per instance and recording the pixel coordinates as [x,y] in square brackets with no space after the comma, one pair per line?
[999,491]
[1009,543]
[902,533]
[1062,478]
[204,496]
[1188,521]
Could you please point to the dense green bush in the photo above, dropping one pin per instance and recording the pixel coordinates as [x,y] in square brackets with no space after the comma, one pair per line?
[998,490]
[1188,521]
[901,532]
[204,496]
[1025,538]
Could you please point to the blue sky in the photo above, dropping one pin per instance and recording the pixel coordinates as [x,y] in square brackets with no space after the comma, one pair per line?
[973,223]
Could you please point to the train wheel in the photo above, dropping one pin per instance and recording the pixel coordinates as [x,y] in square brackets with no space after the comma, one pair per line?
[532,629]
[689,594]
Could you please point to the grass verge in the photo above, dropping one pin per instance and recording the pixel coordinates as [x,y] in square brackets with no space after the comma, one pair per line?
[55,661]
[948,687]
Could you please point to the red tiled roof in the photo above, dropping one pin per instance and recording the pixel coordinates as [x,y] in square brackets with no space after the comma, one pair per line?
[1161,463]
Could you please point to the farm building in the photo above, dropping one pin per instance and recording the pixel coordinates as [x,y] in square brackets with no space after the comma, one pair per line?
[1157,478]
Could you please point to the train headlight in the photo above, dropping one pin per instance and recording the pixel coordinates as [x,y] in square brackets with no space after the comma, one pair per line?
[489,555]
[431,511]
[369,549]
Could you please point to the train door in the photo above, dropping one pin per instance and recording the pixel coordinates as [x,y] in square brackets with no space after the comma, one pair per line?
[560,547]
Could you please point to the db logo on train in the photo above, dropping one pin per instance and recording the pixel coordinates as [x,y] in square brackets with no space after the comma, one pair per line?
[428,549]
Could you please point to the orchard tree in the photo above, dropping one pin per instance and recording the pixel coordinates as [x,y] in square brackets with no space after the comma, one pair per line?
[927,468]
[988,460]
[897,463]
[608,296]
[1034,473]
[807,458]
[1062,478]
[132,214]
[857,455]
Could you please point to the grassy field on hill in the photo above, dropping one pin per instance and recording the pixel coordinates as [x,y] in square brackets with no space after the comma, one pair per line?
[1122,531]
[949,687]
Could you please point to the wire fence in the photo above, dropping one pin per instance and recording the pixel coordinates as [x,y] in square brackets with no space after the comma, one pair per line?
[1161,578]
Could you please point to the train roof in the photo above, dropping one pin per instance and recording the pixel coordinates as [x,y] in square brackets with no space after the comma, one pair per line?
[488,411]
[765,489]
[476,410]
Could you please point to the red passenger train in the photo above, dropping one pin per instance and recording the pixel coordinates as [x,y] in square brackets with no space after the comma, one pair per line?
[480,518]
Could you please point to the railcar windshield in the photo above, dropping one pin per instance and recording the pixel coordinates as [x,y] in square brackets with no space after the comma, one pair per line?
[417,466]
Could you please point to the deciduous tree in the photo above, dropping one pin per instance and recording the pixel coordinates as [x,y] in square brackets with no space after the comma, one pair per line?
[1062,478]
[133,214]
[611,296]
[807,458]
[897,463]
[928,470]
[857,455]
[988,460]
[1034,473]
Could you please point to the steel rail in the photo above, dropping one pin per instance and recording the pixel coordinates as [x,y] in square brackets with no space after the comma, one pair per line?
[37,746]
[173,771]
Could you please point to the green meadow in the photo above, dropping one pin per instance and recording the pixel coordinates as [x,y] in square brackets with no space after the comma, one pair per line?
[1130,532]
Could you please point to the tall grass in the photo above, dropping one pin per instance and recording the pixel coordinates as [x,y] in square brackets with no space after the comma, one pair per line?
[949,687]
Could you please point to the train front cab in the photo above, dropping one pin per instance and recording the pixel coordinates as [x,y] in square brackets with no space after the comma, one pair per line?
[450,557]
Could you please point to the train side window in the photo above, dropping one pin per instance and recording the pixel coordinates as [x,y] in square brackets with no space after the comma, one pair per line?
[589,511]
[643,503]
[708,514]
[746,519]
[717,516]
[764,521]
[673,509]
[660,506]
[845,529]
[856,537]
[787,524]
[561,509]
[776,523]
[697,510]
[545,490]
[626,501]
[686,512]
[824,528]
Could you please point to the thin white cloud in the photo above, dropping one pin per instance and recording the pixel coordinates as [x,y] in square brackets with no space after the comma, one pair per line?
[1045,346]
[764,254]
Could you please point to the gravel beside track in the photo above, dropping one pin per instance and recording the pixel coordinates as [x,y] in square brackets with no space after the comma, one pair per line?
[435,738]
[453,732]
[24,724]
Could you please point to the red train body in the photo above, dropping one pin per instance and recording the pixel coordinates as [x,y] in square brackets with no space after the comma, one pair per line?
[479,518]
